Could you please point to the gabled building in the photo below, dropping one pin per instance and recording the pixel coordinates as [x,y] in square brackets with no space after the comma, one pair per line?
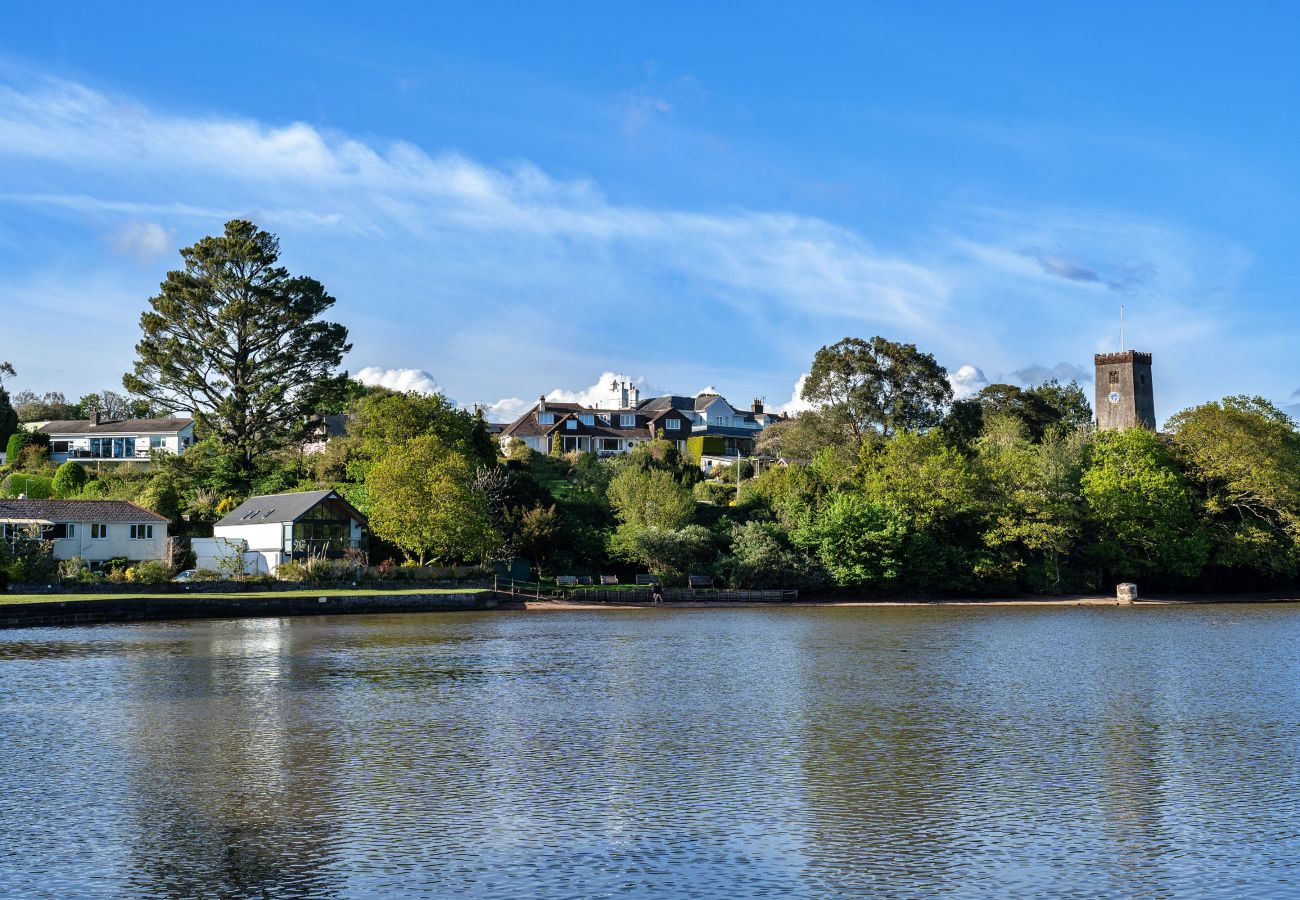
[95,530]
[628,421]
[116,440]
[273,528]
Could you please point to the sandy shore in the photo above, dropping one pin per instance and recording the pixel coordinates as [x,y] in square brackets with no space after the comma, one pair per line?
[1017,601]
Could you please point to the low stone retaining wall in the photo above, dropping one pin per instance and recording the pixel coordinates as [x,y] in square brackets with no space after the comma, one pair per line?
[162,608]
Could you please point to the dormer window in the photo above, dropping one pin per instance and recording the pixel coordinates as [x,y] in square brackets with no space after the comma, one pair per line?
[571,424]
[627,421]
[547,418]
[673,424]
[587,418]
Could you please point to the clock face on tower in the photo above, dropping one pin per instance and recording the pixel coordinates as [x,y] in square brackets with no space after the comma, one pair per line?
[1114,397]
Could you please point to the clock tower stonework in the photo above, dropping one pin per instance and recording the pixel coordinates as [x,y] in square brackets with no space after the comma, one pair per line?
[1124,397]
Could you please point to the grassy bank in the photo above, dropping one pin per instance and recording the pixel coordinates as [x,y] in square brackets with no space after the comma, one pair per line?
[199,596]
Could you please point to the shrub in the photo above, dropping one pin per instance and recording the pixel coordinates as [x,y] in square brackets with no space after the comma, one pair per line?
[36,487]
[205,575]
[21,440]
[71,569]
[69,479]
[714,492]
[291,570]
[151,571]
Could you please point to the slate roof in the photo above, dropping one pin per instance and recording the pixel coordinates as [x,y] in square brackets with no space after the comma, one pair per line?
[76,511]
[656,404]
[281,508]
[118,426]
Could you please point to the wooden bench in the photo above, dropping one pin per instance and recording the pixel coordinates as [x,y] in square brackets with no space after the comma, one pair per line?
[646,580]
[565,581]
[695,582]
[584,579]
[609,579]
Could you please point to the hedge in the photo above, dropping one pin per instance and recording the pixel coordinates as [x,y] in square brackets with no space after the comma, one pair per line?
[36,487]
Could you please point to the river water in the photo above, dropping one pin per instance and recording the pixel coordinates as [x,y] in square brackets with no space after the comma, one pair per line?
[810,752]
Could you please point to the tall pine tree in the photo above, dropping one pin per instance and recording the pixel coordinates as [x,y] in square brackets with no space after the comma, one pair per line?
[236,339]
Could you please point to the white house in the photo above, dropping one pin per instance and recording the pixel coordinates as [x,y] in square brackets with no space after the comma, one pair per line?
[95,530]
[273,528]
[119,440]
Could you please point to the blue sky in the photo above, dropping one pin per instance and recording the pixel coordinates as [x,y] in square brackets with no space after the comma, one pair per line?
[515,199]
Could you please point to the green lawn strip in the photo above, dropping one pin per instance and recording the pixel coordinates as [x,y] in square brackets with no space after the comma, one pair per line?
[9,599]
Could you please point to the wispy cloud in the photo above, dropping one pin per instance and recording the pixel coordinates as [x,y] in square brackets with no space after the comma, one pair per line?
[143,241]
[489,275]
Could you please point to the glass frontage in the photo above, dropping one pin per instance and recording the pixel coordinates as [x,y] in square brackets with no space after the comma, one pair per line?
[112,448]
[324,530]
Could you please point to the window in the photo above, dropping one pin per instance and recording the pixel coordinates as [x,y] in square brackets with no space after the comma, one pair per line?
[1114,378]
[627,421]
[185,443]
[141,532]
[587,419]
[156,442]
[545,418]
[571,424]
[60,531]
[604,418]
[60,446]
[673,424]
[98,532]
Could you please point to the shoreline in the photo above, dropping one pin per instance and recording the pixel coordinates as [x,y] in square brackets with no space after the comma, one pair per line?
[1050,602]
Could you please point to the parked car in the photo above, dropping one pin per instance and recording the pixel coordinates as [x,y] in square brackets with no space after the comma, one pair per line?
[187,575]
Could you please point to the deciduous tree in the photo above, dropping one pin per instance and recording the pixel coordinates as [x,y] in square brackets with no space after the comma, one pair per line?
[878,384]
[422,499]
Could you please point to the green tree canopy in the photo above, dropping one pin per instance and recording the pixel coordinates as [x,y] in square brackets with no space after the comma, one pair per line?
[857,540]
[878,384]
[422,499]
[1243,454]
[1139,505]
[651,499]
[233,337]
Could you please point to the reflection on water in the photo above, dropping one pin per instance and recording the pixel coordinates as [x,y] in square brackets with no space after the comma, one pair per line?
[792,752]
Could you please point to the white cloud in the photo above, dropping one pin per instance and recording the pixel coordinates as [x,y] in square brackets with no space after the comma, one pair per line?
[967,381]
[605,392]
[144,241]
[796,404]
[404,380]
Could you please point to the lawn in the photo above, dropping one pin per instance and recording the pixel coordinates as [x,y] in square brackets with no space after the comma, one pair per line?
[6,599]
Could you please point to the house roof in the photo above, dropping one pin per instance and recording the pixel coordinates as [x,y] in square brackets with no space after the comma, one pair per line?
[75,511]
[280,508]
[118,426]
[655,404]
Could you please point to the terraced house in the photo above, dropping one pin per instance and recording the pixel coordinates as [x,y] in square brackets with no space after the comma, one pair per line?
[616,426]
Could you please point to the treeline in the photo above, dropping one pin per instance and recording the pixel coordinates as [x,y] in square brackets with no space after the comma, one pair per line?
[886,486]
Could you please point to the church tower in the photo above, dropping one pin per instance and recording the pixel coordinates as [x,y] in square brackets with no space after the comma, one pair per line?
[1124,397]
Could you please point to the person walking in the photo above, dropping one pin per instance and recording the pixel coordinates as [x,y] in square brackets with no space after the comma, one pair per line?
[657,594]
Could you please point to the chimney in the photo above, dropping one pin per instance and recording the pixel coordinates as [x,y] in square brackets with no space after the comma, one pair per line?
[94,416]
[758,405]
[634,394]
[541,403]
